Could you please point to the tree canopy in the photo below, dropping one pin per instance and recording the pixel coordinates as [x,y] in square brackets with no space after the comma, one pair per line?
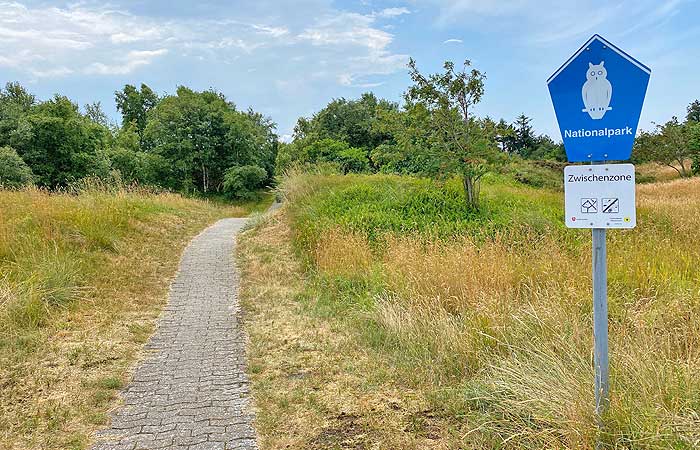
[673,144]
[184,142]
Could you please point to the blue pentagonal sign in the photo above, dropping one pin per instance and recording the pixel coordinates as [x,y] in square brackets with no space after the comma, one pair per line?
[598,95]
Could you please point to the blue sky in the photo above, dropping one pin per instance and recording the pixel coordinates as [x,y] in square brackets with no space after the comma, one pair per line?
[289,58]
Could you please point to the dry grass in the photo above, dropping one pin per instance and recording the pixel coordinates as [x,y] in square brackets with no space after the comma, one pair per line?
[315,386]
[658,172]
[83,279]
[495,334]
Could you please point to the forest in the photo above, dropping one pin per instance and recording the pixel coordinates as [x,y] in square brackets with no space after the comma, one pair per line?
[190,142]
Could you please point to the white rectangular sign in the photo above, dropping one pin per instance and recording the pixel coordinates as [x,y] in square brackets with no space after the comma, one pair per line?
[600,196]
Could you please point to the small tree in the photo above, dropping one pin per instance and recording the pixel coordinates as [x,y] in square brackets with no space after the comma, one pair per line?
[672,144]
[523,136]
[14,172]
[448,98]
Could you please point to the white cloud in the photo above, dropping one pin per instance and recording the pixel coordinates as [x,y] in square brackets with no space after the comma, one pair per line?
[241,44]
[101,40]
[453,41]
[393,12]
[52,73]
[61,41]
[104,40]
[347,29]
[272,31]
[363,48]
[133,60]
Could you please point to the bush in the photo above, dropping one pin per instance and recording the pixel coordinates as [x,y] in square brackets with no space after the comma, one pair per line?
[127,163]
[349,159]
[390,158]
[540,174]
[241,182]
[352,160]
[14,172]
[141,167]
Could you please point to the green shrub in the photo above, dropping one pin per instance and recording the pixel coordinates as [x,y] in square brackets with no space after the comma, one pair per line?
[352,160]
[539,174]
[127,163]
[375,206]
[349,159]
[142,167]
[241,182]
[14,172]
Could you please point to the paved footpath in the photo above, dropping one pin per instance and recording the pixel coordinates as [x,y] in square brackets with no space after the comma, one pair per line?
[191,391]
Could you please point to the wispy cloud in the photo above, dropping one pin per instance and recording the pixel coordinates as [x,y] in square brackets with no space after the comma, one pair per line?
[132,60]
[364,48]
[544,22]
[57,41]
[452,41]
[106,40]
[393,12]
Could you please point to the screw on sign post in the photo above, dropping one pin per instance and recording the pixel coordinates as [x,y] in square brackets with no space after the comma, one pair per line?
[598,95]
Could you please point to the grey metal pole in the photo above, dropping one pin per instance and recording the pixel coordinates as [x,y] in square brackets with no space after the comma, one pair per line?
[600,321]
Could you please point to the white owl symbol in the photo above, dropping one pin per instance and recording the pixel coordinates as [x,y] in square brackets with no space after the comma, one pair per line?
[596,91]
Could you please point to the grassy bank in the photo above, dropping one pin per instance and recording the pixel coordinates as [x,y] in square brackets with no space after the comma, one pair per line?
[82,280]
[480,324]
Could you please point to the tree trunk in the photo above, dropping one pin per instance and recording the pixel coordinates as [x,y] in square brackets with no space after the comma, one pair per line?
[205,182]
[685,173]
[471,190]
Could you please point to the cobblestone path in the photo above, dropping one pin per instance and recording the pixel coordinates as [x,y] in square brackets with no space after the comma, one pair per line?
[191,391]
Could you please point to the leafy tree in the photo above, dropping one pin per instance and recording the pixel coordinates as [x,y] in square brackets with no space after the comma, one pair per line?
[62,145]
[289,155]
[351,121]
[188,130]
[16,94]
[693,112]
[352,160]
[202,135]
[672,144]
[242,182]
[459,144]
[14,172]
[94,112]
[505,136]
[258,143]
[127,163]
[134,105]
[693,136]
[15,105]
[391,158]
[544,148]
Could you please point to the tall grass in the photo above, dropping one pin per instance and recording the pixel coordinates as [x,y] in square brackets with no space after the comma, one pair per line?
[83,274]
[490,313]
[47,245]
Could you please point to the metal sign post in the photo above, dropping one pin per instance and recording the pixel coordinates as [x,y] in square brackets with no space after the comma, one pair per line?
[598,95]
[600,321]
[600,196]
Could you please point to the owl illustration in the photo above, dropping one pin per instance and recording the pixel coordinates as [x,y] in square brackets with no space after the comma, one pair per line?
[596,91]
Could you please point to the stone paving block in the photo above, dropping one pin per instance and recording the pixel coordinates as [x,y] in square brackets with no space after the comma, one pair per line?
[191,391]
